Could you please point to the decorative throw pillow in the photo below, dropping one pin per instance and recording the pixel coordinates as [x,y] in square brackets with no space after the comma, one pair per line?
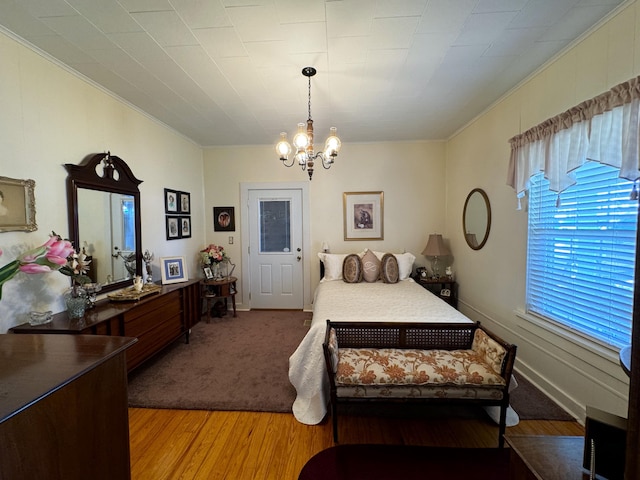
[405,263]
[332,265]
[389,268]
[371,267]
[352,269]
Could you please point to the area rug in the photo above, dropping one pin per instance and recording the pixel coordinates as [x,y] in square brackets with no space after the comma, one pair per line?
[242,364]
[230,363]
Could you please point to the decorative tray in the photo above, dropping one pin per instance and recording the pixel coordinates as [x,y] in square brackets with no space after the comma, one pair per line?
[130,294]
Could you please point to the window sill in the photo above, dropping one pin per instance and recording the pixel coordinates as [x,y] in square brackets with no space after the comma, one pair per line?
[606,352]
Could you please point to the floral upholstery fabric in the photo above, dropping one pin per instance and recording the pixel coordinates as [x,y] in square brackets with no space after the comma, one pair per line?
[389,366]
[488,348]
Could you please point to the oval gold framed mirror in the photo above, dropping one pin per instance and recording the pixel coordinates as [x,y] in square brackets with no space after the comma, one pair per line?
[476,219]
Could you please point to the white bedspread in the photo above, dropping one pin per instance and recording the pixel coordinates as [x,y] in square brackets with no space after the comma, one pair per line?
[405,301]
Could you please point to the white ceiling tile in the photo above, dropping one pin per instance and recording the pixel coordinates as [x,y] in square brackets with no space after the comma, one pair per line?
[445,16]
[577,20]
[347,50]
[349,18]
[483,28]
[108,16]
[144,5]
[399,8]
[392,32]
[514,41]
[166,28]
[492,6]
[292,11]
[140,46]
[221,42]
[305,37]
[48,8]
[78,31]
[202,13]
[534,16]
[256,23]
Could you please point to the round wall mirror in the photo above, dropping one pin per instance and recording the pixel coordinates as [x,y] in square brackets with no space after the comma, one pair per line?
[476,219]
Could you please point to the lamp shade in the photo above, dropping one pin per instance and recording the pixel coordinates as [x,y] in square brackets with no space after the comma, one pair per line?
[435,246]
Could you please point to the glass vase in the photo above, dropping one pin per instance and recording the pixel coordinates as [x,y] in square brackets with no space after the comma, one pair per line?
[76,301]
[215,269]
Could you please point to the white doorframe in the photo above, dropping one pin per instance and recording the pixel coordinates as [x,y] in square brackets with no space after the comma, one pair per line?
[306,236]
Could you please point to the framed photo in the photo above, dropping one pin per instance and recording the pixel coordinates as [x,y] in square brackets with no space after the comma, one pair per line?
[171,201]
[224,219]
[208,274]
[185,227]
[185,202]
[17,205]
[174,227]
[363,215]
[174,270]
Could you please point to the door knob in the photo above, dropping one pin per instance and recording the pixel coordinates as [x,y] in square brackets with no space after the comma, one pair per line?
[299,258]
[298,249]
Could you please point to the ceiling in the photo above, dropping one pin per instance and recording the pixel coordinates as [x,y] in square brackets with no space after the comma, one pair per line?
[228,72]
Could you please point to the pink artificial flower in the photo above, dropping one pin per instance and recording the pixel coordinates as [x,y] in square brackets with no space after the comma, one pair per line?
[34,268]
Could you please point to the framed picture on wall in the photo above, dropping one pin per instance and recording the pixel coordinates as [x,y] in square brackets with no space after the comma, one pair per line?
[174,227]
[174,270]
[17,205]
[224,219]
[363,215]
[185,202]
[171,200]
[185,227]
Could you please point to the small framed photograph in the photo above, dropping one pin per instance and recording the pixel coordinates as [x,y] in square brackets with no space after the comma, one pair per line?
[174,270]
[174,227]
[224,219]
[17,205]
[171,201]
[363,215]
[185,203]
[185,227]
[208,274]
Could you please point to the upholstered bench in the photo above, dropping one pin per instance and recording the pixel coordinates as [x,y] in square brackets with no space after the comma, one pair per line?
[421,362]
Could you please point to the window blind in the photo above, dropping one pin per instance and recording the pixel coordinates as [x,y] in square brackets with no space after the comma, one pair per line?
[581,253]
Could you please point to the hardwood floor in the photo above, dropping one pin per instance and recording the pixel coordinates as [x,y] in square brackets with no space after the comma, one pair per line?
[193,444]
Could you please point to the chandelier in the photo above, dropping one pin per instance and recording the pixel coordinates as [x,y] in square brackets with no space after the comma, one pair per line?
[303,141]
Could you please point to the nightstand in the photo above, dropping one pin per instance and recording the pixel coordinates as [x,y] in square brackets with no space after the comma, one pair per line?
[442,287]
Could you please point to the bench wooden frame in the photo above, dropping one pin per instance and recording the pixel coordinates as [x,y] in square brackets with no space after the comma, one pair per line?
[422,336]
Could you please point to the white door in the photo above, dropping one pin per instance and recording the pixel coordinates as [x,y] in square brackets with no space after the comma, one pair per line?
[275,249]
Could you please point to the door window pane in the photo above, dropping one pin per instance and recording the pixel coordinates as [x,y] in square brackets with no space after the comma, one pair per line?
[275,226]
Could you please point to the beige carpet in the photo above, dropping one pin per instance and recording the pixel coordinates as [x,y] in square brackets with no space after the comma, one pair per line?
[229,364]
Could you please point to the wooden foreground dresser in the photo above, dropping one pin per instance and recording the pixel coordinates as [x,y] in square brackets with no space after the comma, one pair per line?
[63,407]
[156,320]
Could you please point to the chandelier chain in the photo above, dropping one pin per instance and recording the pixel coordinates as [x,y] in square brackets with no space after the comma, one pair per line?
[309,101]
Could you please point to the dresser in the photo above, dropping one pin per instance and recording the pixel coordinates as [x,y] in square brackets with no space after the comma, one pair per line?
[155,321]
[63,408]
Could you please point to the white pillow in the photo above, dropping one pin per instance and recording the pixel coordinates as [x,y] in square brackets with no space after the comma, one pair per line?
[405,263]
[332,265]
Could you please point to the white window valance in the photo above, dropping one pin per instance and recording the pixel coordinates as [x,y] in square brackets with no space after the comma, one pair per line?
[604,129]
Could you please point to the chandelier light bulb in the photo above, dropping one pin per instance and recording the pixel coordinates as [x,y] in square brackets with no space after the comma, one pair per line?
[283,148]
[300,139]
[333,143]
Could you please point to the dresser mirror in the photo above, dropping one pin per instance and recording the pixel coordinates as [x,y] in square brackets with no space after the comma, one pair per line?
[104,218]
[476,219]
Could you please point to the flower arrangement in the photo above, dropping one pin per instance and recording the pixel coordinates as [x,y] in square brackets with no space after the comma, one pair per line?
[213,254]
[53,255]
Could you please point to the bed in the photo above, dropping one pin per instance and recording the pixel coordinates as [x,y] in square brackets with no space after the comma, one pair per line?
[339,301]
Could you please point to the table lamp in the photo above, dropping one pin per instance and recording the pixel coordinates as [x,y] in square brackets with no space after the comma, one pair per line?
[435,248]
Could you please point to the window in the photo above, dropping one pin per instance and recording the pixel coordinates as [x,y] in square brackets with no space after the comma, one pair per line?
[581,253]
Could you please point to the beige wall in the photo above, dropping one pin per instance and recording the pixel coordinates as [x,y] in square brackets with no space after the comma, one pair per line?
[49,117]
[492,282]
[411,175]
